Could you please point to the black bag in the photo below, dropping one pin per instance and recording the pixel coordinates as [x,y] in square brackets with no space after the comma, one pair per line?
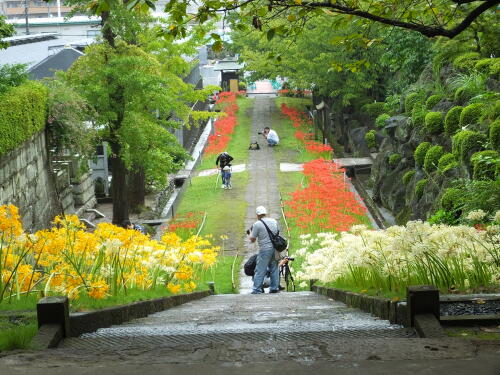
[254,146]
[250,265]
[279,243]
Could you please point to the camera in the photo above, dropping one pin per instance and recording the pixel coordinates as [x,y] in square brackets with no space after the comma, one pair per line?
[259,133]
[289,258]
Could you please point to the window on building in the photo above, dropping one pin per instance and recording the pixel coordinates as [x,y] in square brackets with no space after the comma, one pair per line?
[93,33]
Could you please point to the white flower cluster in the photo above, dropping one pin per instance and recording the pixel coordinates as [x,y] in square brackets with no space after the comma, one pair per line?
[476,215]
[411,252]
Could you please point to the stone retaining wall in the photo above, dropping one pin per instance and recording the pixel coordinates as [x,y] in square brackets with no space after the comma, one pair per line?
[26,181]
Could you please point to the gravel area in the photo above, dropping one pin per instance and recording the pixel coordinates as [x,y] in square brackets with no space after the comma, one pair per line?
[476,307]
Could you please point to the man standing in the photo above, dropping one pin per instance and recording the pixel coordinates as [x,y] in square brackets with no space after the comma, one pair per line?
[224,160]
[265,258]
[271,136]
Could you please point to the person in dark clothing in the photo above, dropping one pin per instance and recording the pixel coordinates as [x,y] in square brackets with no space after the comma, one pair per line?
[222,161]
[128,225]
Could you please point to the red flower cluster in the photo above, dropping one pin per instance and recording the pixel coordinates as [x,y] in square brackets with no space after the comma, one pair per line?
[185,224]
[224,126]
[326,203]
[300,119]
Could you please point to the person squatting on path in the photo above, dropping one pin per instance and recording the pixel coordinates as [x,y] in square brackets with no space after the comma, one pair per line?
[223,161]
[266,260]
[271,136]
[128,225]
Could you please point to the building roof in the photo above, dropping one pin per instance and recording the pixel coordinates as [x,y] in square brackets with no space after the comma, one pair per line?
[62,60]
[228,65]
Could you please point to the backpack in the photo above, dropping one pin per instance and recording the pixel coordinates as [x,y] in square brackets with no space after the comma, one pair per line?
[250,265]
[254,146]
[279,243]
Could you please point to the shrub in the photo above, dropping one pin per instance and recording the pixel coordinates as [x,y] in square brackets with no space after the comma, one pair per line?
[420,151]
[432,101]
[432,157]
[23,113]
[411,100]
[485,165]
[447,162]
[373,109]
[370,139]
[419,188]
[495,135]
[407,177]
[418,116]
[380,121]
[465,142]
[394,159]
[452,120]
[470,114]
[490,67]
[444,217]
[451,199]
[466,61]
[434,122]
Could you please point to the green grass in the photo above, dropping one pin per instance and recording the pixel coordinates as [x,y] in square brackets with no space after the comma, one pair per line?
[221,275]
[473,333]
[17,330]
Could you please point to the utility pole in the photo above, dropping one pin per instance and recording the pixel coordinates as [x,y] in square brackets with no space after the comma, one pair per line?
[26,17]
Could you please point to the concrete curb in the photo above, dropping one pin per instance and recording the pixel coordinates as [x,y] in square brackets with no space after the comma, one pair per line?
[384,308]
[91,321]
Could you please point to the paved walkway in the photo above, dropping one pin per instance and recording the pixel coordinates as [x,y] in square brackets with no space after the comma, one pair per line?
[262,187]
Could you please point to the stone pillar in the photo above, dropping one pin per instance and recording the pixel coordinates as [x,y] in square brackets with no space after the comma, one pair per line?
[422,299]
[54,310]
[211,287]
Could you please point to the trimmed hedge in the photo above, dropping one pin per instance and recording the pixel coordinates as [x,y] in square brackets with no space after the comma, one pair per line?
[447,162]
[452,120]
[432,157]
[432,101]
[451,198]
[370,139]
[485,165]
[420,151]
[373,109]
[489,66]
[466,61]
[419,188]
[23,112]
[465,142]
[495,135]
[434,122]
[407,177]
[381,119]
[470,115]
[418,116]
[412,99]
[394,159]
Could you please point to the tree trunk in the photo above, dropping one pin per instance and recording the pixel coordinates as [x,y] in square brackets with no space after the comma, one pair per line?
[119,186]
[137,189]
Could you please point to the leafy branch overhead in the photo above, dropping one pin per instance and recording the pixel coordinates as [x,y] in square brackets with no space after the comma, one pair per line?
[446,18]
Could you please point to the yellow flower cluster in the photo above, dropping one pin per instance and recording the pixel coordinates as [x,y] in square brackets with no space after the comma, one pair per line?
[69,260]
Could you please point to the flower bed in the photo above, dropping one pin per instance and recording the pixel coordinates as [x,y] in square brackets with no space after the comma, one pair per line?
[224,125]
[68,260]
[454,258]
[326,202]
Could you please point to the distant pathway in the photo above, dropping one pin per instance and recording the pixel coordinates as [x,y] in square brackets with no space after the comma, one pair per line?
[262,187]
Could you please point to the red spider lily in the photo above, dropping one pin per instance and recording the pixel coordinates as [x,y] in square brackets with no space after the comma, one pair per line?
[326,203]
[224,126]
[185,224]
[300,119]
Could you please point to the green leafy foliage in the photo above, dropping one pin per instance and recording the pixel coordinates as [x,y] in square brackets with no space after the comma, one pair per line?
[394,159]
[407,177]
[381,119]
[451,198]
[413,99]
[466,61]
[370,139]
[420,152]
[432,101]
[6,30]
[485,165]
[434,122]
[466,142]
[446,162]
[443,217]
[495,135]
[467,86]
[470,115]
[432,157]
[419,188]
[373,110]
[489,66]
[418,116]
[11,76]
[23,111]
[452,120]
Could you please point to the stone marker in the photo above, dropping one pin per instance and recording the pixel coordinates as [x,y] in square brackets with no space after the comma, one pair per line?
[422,299]
[54,310]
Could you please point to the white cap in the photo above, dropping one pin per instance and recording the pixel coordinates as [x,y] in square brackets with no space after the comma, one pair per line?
[261,210]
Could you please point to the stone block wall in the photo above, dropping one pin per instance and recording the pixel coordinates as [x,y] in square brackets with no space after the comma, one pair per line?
[26,180]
